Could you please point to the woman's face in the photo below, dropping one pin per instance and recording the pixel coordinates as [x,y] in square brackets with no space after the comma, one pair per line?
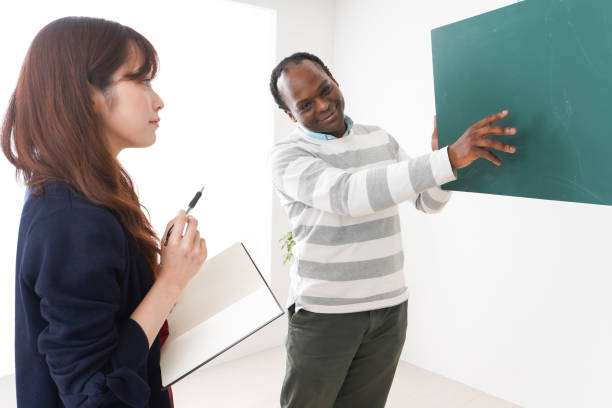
[129,108]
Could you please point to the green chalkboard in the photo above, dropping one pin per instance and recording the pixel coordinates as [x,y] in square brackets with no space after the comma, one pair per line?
[550,63]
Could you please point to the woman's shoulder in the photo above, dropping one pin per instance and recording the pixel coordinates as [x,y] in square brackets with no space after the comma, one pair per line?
[59,206]
[68,242]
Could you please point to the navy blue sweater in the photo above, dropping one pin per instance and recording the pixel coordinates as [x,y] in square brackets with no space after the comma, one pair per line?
[79,278]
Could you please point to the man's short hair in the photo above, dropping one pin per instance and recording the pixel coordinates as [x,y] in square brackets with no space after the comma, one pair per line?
[283,66]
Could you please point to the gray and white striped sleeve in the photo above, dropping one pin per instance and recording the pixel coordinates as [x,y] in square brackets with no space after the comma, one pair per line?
[306,178]
[433,199]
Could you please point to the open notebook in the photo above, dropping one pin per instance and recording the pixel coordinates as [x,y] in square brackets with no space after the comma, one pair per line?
[227,301]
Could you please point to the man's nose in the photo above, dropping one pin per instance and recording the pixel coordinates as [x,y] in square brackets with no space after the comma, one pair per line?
[322,105]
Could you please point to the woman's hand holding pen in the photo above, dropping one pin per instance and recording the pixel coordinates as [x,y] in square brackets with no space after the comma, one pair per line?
[181,259]
[184,255]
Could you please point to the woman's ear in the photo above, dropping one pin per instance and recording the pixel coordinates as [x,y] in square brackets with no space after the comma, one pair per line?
[98,99]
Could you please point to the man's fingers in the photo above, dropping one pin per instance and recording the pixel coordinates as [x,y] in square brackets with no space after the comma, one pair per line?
[497,145]
[495,130]
[490,119]
[485,154]
[434,136]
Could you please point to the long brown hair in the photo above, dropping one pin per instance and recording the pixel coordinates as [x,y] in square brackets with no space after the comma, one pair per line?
[51,131]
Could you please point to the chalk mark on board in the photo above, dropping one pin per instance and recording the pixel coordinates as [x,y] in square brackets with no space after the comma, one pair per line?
[573,184]
[583,50]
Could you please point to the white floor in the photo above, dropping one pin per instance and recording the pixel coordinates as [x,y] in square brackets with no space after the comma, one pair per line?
[255,382]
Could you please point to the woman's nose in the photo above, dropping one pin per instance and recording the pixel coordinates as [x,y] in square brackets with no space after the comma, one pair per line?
[158,103]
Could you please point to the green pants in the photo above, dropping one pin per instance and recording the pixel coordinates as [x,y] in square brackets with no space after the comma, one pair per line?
[342,360]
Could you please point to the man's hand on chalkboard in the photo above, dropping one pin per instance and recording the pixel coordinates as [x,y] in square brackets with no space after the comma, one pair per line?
[434,136]
[474,143]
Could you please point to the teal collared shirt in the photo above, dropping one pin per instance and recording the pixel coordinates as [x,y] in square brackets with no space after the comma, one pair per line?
[324,136]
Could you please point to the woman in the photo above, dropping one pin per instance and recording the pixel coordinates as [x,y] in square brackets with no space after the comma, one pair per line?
[91,295]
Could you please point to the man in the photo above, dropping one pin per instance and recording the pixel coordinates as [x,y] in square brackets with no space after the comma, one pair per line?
[340,183]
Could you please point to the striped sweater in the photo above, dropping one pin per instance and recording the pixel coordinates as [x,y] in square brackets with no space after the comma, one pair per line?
[341,197]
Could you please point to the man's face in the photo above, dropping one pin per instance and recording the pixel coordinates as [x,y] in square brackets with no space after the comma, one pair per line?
[313,98]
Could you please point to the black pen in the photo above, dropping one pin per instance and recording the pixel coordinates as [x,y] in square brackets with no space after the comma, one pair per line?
[192,204]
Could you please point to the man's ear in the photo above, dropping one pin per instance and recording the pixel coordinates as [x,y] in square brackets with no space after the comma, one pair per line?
[290,115]
[334,79]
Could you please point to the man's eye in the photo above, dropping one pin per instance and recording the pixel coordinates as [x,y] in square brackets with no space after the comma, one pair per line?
[326,90]
[305,106]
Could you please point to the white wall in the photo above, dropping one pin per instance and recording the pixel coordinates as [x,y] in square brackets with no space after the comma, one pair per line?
[510,296]
[300,25]
[213,124]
